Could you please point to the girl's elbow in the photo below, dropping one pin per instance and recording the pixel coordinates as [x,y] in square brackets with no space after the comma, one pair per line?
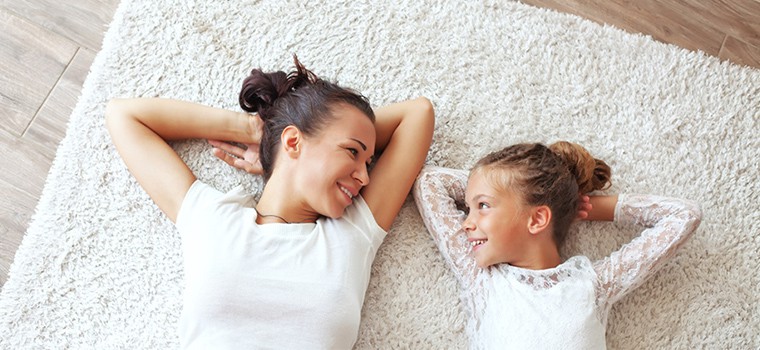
[695,212]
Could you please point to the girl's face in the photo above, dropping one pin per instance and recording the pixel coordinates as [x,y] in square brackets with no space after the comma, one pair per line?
[334,162]
[497,222]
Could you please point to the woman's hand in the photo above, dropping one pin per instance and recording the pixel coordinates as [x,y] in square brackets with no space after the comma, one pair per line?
[242,158]
[245,157]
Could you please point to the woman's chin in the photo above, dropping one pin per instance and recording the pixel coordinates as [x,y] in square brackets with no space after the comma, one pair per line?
[334,213]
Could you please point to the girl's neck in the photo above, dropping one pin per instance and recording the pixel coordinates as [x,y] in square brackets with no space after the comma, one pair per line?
[540,257]
[278,204]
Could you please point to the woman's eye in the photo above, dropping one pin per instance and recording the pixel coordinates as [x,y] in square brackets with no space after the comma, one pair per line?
[353,151]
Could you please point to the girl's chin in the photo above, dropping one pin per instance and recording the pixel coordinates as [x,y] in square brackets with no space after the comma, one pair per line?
[481,263]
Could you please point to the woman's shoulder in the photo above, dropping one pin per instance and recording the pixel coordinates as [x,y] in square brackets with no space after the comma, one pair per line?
[202,199]
[360,216]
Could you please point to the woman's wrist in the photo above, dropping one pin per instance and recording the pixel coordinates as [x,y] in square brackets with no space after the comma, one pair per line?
[253,126]
[240,127]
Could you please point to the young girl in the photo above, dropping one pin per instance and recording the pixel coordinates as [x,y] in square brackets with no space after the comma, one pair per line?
[505,252]
[291,270]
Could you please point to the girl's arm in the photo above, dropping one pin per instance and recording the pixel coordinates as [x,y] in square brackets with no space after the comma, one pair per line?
[436,193]
[669,221]
[404,133]
[140,129]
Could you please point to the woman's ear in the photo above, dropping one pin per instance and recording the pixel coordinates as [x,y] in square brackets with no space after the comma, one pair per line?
[291,140]
[539,220]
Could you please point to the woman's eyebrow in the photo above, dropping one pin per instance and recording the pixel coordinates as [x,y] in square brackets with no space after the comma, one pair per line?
[364,147]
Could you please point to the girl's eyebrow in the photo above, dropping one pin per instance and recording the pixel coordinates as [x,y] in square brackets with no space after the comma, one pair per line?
[479,196]
[364,147]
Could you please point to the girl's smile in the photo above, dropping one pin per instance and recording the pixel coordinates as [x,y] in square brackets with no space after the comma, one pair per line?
[497,222]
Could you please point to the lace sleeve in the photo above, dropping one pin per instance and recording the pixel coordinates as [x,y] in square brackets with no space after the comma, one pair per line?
[669,221]
[436,193]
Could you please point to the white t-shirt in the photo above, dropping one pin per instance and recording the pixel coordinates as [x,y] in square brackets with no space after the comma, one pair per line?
[291,286]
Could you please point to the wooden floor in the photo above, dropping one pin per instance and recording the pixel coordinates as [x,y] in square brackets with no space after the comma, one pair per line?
[48,47]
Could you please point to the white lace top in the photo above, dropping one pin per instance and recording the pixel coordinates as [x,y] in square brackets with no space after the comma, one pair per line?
[564,307]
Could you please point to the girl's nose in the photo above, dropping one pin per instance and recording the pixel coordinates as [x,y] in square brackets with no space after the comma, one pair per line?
[468,224]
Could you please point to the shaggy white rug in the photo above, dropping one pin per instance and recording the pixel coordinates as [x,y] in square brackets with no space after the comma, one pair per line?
[100,266]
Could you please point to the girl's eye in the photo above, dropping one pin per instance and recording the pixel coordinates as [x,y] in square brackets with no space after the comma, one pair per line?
[483,205]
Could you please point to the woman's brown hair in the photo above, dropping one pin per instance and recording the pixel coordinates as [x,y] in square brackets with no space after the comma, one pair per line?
[553,176]
[298,98]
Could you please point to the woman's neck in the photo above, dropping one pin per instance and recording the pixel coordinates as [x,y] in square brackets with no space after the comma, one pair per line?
[279,204]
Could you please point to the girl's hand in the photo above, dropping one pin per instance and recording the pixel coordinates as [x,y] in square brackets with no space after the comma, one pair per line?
[242,158]
[584,207]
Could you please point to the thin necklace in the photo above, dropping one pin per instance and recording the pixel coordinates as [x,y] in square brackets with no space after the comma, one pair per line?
[270,216]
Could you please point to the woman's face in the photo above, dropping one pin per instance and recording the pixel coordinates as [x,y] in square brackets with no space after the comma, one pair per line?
[335,161]
[497,222]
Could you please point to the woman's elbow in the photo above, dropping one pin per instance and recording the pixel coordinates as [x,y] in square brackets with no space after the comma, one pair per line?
[427,115]
[113,110]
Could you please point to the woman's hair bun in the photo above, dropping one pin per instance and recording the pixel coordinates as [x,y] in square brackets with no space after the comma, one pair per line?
[591,174]
[260,90]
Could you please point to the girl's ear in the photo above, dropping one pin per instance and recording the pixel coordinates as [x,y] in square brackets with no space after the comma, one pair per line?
[291,140]
[539,220]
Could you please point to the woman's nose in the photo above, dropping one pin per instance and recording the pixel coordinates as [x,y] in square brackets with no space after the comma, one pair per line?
[362,175]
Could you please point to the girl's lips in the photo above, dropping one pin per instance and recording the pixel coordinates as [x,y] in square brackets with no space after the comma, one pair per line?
[477,243]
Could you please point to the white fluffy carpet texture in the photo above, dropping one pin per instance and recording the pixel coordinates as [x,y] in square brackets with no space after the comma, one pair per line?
[100,266]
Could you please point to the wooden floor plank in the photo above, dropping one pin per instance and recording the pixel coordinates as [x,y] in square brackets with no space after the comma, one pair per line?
[646,16]
[32,33]
[49,126]
[15,211]
[737,18]
[740,52]
[33,61]
[691,24]
[81,21]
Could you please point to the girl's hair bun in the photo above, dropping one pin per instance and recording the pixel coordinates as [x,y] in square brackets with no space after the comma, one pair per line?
[591,174]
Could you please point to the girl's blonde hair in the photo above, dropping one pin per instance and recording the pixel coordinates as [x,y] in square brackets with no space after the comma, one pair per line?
[553,176]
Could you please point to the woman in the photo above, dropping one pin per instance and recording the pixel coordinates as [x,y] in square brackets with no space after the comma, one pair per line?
[291,270]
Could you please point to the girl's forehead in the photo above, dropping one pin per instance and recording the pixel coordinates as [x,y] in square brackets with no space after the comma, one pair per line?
[478,184]
[489,181]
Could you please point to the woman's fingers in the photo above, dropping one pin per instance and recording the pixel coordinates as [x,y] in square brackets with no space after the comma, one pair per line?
[246,159]
[251,168]
[226,157]
[229,148]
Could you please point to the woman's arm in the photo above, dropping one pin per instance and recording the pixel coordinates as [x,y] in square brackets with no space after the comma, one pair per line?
[140,129]
[669,221]
[404,133]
